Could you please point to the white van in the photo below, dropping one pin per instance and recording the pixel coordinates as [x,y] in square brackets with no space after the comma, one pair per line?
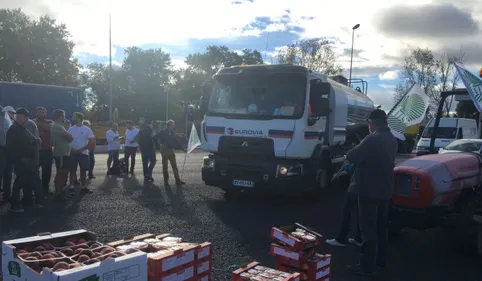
[449,129]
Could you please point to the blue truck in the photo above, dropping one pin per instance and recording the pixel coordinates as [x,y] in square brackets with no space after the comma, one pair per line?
[51,97]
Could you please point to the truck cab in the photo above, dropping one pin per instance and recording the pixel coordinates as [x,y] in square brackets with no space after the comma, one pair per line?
[278,128]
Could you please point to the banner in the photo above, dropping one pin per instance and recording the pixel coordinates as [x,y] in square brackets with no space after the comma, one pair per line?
[473,85]
[194,140]
[409,110]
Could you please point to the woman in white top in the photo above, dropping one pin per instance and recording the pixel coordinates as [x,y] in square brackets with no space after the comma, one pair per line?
[131,146]
[113,146]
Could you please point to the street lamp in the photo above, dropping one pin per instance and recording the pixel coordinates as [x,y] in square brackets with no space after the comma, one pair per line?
[352,41]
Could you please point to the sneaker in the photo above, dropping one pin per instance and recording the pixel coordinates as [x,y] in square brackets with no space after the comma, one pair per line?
[355,242]
[180,182]
[334,242]
[86,190]
[17,210]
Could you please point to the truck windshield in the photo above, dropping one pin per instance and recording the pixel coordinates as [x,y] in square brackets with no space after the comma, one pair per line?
[442,133]
[258,97]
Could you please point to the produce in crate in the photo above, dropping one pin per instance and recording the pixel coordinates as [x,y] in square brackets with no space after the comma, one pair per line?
[296,237]
[256,272]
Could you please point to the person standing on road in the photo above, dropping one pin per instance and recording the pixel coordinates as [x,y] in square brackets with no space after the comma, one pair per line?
[130,146]
[91,153]
[83,137]
[46,156]
[113,146]
[6,166]
[147,145]
[374,158]
[23,150]
[169,142]
[61,140]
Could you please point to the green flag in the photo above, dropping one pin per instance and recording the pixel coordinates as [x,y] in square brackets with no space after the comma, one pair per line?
[194,140]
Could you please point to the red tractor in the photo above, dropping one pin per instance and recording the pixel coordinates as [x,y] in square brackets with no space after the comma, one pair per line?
[440,190]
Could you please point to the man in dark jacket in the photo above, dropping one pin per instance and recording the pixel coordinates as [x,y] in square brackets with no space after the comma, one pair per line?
[168,140]
[374,158]
[23,150]
[147,146]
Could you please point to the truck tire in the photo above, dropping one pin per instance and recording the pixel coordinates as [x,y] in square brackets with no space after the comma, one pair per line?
[324,174]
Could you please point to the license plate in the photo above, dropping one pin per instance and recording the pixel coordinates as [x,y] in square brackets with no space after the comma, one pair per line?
[243,183]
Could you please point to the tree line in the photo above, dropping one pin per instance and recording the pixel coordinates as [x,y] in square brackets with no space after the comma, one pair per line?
[41,51]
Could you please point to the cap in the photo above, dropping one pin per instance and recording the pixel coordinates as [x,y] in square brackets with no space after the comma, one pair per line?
[8,109]
[377,114]
[22,111]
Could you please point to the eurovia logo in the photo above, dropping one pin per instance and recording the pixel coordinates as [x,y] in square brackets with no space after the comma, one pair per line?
[254,133]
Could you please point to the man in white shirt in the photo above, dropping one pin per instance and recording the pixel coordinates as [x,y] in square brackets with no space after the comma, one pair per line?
[131,146]
[113,146]
[83,138]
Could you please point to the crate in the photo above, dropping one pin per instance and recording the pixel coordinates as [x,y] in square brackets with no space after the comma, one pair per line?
[278,250]
[322,274]
[313,264]
[255,269]
[283,235]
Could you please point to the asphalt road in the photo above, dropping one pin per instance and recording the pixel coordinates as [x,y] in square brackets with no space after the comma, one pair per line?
[239,229]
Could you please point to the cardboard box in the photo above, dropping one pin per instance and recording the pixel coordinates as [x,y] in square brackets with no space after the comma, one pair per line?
[313,264]
[284,236]
[255,269]
[132,267]
[277,250]
[320,274]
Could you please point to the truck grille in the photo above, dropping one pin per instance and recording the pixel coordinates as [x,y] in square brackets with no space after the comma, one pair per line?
[246,147]
[403,184]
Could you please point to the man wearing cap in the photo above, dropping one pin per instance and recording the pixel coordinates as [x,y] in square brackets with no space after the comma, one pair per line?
[6,168]
[23,150]
[373,180]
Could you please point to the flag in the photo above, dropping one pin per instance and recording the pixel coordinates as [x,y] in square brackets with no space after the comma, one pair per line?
[7,122]
[194,140]
[473,85]
[409,110]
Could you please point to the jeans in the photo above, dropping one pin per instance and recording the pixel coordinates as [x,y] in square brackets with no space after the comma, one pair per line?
[91,163]
[113,157]
[27,178]
[46,159]
[130,152]
[373,216]
[169,156]
[6,171]
[148,162]
[350,204]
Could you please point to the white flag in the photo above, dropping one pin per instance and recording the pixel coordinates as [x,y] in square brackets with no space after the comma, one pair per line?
[410,110]
[473,85]
[194,140]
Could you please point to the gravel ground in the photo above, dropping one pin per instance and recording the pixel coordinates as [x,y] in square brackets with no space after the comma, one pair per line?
[239,229]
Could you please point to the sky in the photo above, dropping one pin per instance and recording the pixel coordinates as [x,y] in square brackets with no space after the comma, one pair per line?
[388,29]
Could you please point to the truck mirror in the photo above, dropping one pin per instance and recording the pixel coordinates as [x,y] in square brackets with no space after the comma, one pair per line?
[320,88]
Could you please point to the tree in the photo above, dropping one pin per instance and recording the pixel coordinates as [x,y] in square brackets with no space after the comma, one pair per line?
[467,109]
[36,51]
[316,54]
[435,75]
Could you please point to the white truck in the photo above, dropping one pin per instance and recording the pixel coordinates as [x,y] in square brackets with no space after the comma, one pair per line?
[278,128]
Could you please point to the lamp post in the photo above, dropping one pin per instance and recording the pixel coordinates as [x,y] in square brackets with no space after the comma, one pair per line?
[352,41]
[110,68]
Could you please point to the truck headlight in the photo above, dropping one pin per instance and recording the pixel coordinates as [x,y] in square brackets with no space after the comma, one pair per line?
[208,162]
[289,170]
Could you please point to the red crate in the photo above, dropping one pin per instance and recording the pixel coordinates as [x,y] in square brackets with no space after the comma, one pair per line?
[204,251]
[205,277]
[322,274]
[253,268]
[277,250]
[183,273]
[203,267]
[283,235]
[313,264]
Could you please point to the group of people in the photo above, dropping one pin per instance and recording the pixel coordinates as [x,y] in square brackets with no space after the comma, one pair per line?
[29,146]
[370,165]
[148,141]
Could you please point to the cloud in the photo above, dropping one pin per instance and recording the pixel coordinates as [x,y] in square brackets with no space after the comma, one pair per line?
[389,75]
[430,20]
[370,70]
[386,86]
[472,52]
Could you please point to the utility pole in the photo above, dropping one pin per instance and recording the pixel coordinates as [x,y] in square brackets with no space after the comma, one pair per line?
[110,67]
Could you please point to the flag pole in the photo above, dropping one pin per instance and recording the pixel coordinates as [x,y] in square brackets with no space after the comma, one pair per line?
[183,164]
